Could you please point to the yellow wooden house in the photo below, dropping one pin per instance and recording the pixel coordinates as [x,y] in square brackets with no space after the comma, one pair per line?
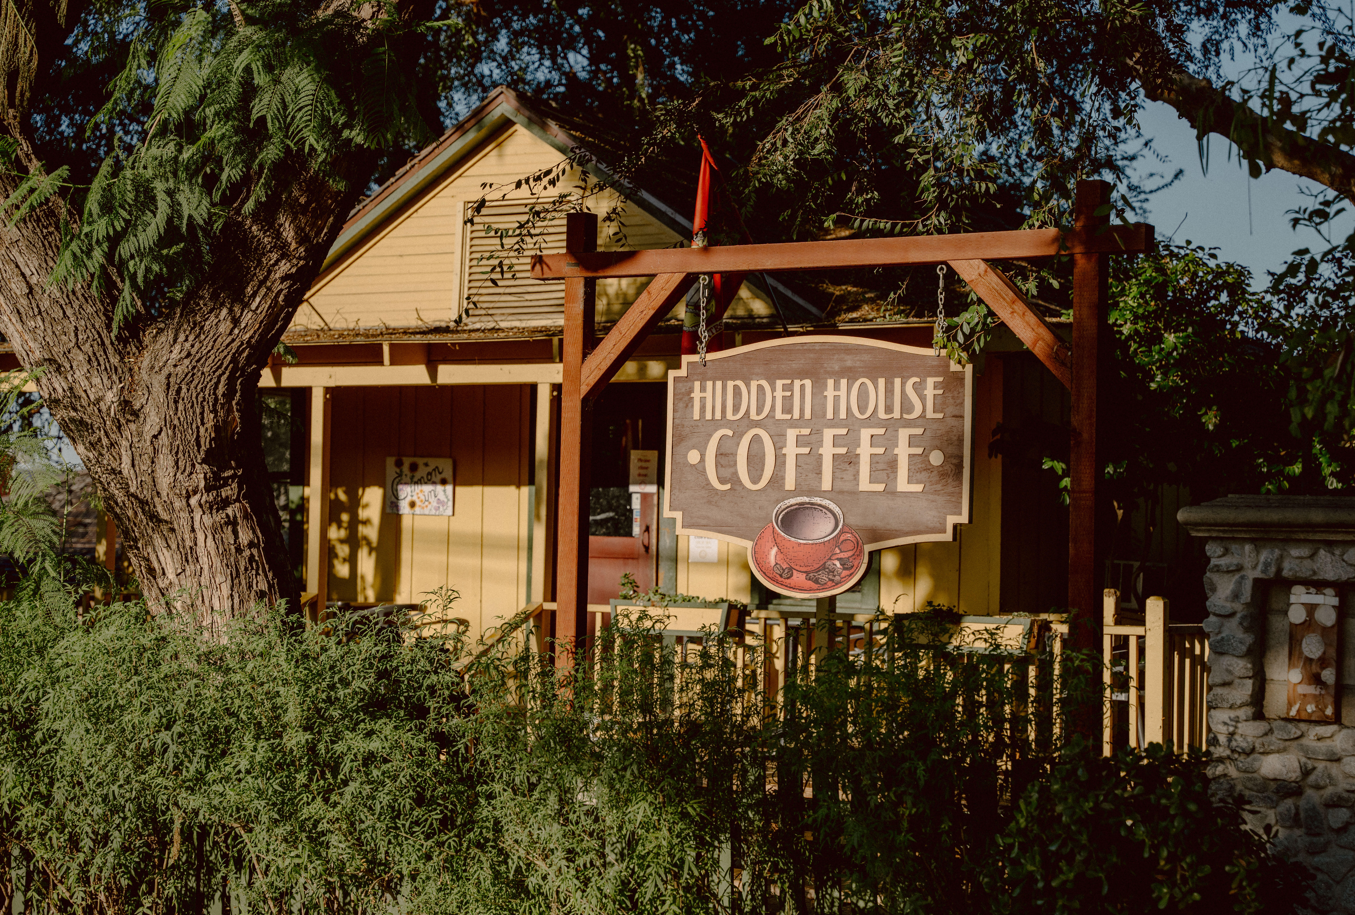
[408,350]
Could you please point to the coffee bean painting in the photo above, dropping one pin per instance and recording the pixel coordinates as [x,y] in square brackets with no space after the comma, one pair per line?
[813,451]
[419,486]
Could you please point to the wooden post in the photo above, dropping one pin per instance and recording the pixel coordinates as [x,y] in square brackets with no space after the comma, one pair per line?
[1109,607]
[1090,353]
[1135,680]
[1157,697]
[106,552]
[553,500]
[317,510]
[571,583]
[825,627]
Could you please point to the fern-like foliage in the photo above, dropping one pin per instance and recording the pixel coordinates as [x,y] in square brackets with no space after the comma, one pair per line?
[19,57]
[30,527]
[240,107]
[31,192]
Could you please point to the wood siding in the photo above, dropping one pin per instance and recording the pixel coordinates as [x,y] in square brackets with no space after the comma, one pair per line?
[500,291]
[482,550]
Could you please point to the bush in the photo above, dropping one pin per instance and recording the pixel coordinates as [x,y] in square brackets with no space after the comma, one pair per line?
[1137,833]
[143,768]
[285,770]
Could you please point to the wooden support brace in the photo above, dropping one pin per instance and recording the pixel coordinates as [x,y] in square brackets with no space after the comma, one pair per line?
[1014,309]
[664,292]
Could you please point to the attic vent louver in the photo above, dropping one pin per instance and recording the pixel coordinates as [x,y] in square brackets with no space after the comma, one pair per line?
[500,291]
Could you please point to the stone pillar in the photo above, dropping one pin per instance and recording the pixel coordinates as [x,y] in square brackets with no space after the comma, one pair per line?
[1298,776]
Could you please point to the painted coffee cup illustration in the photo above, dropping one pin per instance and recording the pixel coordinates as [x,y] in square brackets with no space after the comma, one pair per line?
[808,532]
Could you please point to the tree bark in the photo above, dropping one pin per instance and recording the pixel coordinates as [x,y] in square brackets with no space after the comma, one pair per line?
[164,411]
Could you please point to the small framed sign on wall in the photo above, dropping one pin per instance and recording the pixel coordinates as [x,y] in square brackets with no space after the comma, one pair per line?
[419,486]
[1313,693]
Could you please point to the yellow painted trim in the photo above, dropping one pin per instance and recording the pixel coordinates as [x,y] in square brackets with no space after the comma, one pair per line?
[541,539]
[339,376]
[317,508]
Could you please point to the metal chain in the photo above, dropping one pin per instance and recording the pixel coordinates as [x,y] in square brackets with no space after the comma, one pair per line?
[939,335]
[703,333]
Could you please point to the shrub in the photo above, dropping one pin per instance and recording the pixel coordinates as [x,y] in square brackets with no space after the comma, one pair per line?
[144,769]
[1136,833]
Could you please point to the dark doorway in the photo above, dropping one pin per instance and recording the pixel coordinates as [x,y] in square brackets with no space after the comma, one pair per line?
[628,422]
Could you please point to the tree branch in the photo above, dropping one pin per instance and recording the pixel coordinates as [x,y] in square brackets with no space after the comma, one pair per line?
[1211,110]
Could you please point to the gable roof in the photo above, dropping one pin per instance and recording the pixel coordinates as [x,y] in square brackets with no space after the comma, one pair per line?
[571,136]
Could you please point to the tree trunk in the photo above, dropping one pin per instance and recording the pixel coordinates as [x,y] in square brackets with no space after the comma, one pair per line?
[180,465]
[164,413]
[163,409]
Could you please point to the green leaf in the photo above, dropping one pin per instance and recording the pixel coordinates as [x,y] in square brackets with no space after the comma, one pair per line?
[32,192]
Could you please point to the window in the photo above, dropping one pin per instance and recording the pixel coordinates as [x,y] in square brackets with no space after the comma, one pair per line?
[282,428]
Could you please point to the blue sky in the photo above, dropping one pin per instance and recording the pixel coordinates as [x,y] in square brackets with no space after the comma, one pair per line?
[1215,206]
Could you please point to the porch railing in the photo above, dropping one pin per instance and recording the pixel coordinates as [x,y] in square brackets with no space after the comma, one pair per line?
[1154,671]
[1155,675]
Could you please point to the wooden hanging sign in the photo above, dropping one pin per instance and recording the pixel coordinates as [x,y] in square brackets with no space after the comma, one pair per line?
[813,451]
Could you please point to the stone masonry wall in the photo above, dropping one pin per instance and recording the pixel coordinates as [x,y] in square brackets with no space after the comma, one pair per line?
[1297,776]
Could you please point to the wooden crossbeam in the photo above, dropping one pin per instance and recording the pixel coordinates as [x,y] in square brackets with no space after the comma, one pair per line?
[855,252]
[659,297]
[1014,309]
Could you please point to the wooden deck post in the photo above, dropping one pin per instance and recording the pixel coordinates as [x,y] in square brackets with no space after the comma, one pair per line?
[1110,606]
[106,552]
[1157,694]
[1090,355]
[110,544]
[571,583]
